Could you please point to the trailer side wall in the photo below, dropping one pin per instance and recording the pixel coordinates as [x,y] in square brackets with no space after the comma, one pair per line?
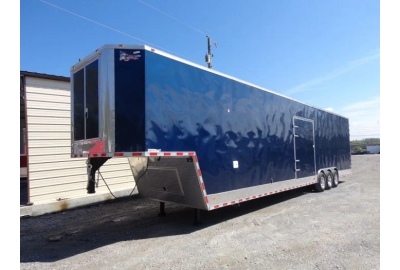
[190,109]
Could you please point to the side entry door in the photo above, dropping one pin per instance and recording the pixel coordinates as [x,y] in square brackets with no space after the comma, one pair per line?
[86,102]
[304,147]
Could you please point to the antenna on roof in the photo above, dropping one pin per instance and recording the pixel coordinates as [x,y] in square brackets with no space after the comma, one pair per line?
[209,55]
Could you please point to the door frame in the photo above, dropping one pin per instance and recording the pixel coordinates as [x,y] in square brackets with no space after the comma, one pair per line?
[294,143]
[85,113]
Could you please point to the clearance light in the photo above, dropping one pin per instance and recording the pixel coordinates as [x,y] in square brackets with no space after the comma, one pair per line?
[120,45]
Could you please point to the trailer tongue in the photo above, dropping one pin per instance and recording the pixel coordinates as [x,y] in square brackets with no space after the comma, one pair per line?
[197,137]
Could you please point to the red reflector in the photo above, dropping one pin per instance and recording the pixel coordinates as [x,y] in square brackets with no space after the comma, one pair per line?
[280,190]
[271,192]
[153,154]
[137,154]
[195,158]
[247,199]
[225,204]
[240,200]
[191,154]
[216,206]
[202,186]
[199,172]
[179,154]
[81,155]
[75,155]
[254,197]
[103,154]
[153,50]
[206,199]
[94,155]
[233,202]
[260,195]
[118,154]
[167,154]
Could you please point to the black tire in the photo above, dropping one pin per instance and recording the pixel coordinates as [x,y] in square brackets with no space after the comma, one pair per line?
[329,180]
[321,182]
[335,181]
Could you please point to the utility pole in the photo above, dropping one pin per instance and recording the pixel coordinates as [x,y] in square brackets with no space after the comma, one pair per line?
[209,55]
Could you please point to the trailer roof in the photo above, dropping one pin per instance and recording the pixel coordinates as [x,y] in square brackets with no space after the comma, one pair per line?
[97,52]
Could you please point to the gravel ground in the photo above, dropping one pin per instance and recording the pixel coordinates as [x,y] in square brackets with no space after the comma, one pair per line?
[298,229]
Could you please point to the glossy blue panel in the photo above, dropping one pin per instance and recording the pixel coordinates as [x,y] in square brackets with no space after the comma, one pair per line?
[189,109]
[129,100]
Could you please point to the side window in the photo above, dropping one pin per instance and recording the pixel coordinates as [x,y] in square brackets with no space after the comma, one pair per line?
[92,100]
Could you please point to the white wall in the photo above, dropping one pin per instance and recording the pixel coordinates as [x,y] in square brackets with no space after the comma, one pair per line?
[53,174]
[374,149]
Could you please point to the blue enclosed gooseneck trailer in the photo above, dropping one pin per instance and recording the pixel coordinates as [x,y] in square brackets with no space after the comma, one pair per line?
[195,136]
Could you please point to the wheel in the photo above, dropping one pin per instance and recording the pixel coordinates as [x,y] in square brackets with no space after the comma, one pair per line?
[321,184]
[329,180]
[335,181]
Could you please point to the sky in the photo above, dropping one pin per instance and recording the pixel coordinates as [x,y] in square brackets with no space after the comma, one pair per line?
[324,53]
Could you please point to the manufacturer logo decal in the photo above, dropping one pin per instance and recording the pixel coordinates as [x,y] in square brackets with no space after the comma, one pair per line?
[124,56]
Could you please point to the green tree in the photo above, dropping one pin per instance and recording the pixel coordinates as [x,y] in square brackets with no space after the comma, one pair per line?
[358,148]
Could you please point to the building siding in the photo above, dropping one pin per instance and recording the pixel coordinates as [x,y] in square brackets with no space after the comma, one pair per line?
[53,174]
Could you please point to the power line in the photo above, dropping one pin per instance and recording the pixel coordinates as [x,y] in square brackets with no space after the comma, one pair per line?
[108,27]
[181,22]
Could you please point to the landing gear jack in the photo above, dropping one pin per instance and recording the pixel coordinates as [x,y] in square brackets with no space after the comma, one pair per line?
[197,221]
[162,210]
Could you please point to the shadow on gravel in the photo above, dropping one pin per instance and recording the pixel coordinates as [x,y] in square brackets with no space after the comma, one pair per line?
[74,232]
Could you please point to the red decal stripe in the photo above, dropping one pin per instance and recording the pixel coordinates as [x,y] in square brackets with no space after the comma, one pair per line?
[247,199]
[195,159]
[167,154]
[240,200]
[233,202]
[118,154]
[202,186]
[191,154]
[206,199]
[137,154]
[153,154]
[179,154]
[199,172]
[103,154]
[225,204]
[217,206]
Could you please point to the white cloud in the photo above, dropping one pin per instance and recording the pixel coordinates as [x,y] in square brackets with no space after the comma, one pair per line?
[329,109]
[364,118]
[307,86]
